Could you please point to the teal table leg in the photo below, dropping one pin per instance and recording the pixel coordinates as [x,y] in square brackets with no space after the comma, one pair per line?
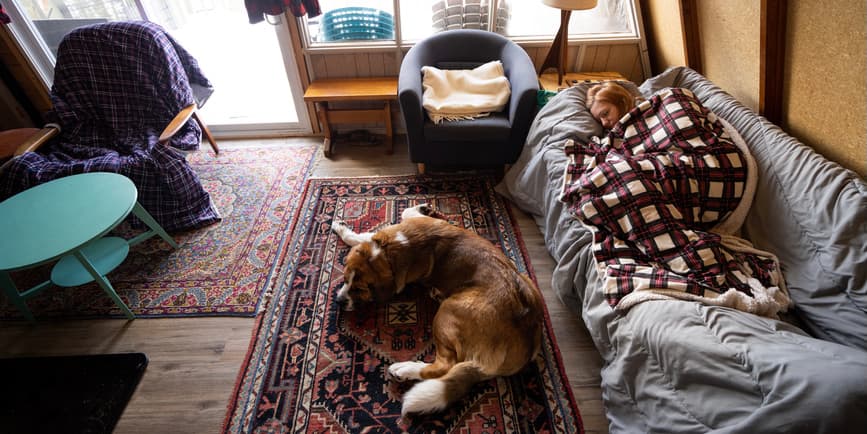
[103,283]
[14,296]
[144,216]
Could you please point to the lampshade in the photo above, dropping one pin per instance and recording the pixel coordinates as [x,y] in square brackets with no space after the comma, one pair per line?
[571,5]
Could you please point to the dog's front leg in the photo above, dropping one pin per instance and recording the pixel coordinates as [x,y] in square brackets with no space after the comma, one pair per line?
[420,210]
[349,236]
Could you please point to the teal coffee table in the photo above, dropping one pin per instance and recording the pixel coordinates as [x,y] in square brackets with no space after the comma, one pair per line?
[67,220]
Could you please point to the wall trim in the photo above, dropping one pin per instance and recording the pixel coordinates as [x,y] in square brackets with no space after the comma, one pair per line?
[772,59]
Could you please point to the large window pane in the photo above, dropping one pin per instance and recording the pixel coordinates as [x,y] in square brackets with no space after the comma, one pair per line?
[352,20]
[55,18]
[515,18]
[423,18]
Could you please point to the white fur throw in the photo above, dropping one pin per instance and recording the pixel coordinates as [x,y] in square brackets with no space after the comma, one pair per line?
[464,93]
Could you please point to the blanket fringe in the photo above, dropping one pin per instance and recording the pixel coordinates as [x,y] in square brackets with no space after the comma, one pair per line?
[767,302]
[438,118]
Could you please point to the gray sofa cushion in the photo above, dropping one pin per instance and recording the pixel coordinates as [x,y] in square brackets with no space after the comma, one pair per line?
[485,129]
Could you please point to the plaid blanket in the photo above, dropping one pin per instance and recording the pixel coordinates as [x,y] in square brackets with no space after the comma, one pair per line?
[658,192]
[116,87]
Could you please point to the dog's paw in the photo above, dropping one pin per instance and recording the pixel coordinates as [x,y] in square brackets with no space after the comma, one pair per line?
[339,227]
[420,210]
[403,371]
[425,209]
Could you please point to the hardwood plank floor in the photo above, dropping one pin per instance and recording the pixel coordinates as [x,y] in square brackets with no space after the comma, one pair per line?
[194,362]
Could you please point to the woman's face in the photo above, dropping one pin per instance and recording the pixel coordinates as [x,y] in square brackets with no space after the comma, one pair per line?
[606,113]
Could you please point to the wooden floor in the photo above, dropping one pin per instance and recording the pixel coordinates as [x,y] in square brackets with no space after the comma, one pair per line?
[194,362]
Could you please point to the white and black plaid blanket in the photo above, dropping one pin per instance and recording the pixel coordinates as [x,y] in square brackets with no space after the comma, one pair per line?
[657,192]
[116,87]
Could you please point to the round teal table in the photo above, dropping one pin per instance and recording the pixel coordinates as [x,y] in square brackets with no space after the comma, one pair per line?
[67,220]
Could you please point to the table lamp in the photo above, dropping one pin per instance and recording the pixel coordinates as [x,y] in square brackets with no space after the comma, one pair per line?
[557,55]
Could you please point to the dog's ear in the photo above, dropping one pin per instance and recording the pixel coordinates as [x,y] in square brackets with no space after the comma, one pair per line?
[377,259]
[393,279]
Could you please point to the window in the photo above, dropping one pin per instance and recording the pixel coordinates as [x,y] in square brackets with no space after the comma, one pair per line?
[376,22]
[243,61]
[353,20]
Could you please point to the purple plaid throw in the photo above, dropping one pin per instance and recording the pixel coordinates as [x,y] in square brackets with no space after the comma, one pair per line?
[116,87]
[652,191]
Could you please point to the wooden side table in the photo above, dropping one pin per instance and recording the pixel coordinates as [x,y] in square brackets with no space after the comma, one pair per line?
[548,81]
[325,91]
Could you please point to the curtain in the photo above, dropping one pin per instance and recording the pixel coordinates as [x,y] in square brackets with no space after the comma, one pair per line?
[257,9]
[4,19]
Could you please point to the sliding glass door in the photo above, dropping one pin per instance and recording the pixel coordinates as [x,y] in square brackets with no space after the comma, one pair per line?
[257,89]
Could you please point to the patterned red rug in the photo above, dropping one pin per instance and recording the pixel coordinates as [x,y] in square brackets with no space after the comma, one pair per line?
[222,269]
[313,368]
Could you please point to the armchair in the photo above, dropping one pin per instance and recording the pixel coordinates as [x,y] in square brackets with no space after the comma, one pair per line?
[124,100]
[493,140]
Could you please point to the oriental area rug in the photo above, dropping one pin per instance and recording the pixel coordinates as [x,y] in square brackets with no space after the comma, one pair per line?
[223,269]
[313,368]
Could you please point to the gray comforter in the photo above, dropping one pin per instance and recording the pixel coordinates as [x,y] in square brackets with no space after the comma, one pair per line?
[681,366]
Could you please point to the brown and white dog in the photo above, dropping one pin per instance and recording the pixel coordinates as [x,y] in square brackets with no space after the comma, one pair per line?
[489,322]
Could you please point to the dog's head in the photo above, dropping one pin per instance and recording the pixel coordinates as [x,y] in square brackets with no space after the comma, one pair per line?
[367,275]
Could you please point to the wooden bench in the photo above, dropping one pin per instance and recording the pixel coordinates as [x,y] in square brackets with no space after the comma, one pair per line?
[325,91]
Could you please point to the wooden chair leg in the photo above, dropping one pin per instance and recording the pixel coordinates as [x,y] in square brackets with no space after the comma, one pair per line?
[206,132]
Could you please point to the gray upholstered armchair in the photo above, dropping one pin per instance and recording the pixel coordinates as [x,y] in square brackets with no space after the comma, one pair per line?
[489,141]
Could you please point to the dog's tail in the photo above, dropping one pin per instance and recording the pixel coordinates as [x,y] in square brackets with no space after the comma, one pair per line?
[433,395]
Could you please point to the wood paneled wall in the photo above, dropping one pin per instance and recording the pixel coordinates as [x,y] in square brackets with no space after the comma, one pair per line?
[825,79]
[824,90]
[624,58]
[729,34]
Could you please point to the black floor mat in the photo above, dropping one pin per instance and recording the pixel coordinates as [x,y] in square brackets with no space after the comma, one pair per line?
[67,394]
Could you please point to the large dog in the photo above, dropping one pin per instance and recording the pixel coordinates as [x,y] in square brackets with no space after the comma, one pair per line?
[489,322]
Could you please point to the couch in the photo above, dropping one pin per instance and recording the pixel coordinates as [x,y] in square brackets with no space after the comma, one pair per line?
[685,366]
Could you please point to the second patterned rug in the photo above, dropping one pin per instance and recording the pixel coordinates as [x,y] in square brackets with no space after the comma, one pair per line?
[222,269]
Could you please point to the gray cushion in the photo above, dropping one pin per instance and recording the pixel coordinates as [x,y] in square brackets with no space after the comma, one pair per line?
[493,127]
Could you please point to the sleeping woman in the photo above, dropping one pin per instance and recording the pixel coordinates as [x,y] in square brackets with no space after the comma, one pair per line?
[664,191]
[608,102]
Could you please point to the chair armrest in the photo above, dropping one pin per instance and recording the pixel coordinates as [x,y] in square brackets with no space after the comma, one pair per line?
[524,81]
[180,119]
[37,139]
[409,94]
[525,87]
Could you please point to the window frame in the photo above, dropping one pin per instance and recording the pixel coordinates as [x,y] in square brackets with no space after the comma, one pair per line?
[310,47]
